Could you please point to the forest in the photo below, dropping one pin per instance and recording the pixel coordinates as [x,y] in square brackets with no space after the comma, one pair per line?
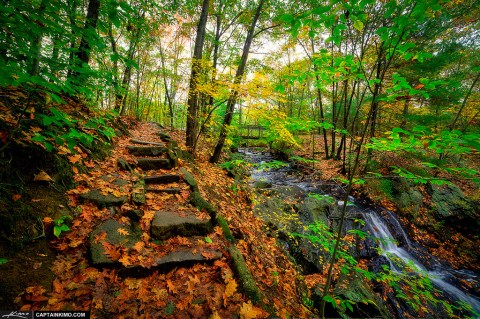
[247,159]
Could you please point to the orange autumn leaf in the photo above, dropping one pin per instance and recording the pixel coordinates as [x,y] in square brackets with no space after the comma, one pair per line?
[139,246]
[230,289]
[47,220]
[74,158]
[123,232]
[249,311]
[125,260]
[171,286]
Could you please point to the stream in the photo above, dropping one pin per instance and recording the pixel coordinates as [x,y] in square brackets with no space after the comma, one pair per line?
[397,251]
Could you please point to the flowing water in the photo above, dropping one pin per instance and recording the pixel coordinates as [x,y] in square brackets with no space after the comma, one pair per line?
[402,255]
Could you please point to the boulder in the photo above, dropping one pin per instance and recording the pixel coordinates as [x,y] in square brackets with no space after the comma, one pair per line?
[314,209]
[262,184]
[449,203]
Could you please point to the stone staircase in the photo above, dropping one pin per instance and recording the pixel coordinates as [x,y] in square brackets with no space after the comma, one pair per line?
[140,238]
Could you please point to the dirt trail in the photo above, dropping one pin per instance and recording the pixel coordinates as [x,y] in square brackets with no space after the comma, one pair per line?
[139,248]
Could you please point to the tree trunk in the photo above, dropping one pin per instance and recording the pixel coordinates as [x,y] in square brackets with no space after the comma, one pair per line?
[227,120]
[193,96]
[82,55]
[167,94]
[37,44]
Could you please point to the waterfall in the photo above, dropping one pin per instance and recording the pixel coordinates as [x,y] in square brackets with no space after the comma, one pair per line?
[393,252]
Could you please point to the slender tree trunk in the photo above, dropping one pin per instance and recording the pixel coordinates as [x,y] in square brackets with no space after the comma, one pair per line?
[452,126]
[193,94]
[227,120]
[320,103]
[37,43]
[82,55]
[167,94]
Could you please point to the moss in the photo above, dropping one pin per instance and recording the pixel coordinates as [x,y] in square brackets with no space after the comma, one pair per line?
[246,280]
[226,230]
[198,201]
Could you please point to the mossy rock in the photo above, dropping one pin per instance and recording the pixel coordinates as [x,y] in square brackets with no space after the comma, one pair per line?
[138,193]
[189,179]
[449,202]
[262,184]
[198,201]
[354,288]
[246,280]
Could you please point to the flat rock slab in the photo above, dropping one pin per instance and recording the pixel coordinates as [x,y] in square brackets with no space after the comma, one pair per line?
[188,256]
[101,200]
[178,258]
[153,163]
[162,179]
[135,141]
[169,190]
[147,150]
[115,180]
[169,223]
[111,228]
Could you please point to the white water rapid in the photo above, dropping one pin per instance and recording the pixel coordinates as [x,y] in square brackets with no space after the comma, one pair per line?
[391,251]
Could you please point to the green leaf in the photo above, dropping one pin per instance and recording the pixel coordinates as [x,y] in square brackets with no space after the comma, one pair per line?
[57,230]
[287,18]
[321,10]
[208,240]
[3,261]
[357,24]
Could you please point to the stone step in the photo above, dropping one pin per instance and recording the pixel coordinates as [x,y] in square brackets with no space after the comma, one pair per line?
[169,223]
[162,179]
[104,200]
[169,190]
[146,150]
[135,141]
[180,257]
[164,137]
[111,227]
[113,232]
[153,163]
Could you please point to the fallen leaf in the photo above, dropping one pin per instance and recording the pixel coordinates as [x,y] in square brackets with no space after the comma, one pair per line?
[90,164]
[37,265]
[47,220]
[171,286]
[249,311]
[42,177]
[139,246]
[230,289]
[123,232]
[75,169]
[74,158]
[16,197]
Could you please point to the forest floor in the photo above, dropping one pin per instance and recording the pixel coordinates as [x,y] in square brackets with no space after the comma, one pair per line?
[58,274]
[40,271]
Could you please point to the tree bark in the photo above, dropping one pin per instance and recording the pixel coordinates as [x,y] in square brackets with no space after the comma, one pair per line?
[227,120]
[82,55]
[193,96]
